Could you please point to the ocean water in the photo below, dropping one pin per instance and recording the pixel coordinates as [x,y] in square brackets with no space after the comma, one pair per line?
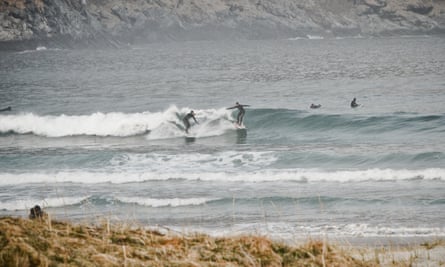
[98,134]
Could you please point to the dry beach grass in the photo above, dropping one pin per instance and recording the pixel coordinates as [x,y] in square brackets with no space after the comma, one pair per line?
[43,242]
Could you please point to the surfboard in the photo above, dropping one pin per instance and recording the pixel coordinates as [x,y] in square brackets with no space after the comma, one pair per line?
[190,138]
[239,127]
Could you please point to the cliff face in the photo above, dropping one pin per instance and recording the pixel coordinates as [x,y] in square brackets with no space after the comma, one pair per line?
[111,22]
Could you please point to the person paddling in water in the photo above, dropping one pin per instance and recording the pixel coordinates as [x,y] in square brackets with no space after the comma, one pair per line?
[354,103]
[241,111]
[186,120]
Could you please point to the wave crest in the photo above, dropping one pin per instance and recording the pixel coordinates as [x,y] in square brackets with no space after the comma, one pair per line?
[270,175]
[212,122]
[160,125]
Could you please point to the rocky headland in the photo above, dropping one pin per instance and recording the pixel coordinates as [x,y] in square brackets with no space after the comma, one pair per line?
[72,23]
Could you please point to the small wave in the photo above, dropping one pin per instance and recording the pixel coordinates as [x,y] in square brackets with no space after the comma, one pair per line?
[170,202]
[296,175]
[56,202]
[436,201]
[296,38]
[365,230]
[310,200]
[428,156]
[25,204]
[425,118]
[39,49]
[289,231]
[351,37]
[297,120]
[314,37]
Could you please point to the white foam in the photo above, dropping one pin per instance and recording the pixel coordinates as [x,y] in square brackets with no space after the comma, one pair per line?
[315,37]
[100,124]
[291,231]
[39,49]
[161,124]
[171,202]
[310,37]
[296,38]
[228,161]
[366,230]
[211,122]
[86,177]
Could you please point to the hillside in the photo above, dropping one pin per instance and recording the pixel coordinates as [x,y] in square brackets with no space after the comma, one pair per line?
[112,22]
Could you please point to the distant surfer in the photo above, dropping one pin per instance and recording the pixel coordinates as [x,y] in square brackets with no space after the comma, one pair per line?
[241,111]
[313,106]
[354,103]
[5,109]
[186,120]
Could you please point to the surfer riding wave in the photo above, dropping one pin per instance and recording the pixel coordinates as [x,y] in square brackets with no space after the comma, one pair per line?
[190,115]
[241,112]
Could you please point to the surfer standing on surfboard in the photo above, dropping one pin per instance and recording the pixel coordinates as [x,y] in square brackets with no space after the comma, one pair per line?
[190,115]
[241,111]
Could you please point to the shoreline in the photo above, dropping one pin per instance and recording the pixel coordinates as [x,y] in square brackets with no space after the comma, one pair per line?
[356,240]
[40,241]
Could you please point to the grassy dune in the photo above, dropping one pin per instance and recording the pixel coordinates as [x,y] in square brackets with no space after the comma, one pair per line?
[43,242]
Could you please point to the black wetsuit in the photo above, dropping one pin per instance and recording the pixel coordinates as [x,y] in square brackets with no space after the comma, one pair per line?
[187,122]
[354,103]
[239,117]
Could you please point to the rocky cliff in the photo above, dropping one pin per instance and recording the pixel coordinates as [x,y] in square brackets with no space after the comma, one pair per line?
[27,23]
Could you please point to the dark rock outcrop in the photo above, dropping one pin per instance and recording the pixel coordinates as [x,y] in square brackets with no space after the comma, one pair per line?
[69,23]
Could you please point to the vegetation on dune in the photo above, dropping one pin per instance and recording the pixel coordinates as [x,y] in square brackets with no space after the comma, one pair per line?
[42,242]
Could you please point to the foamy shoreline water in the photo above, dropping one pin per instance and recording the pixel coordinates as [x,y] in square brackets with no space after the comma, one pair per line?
[298,176]
[283,209]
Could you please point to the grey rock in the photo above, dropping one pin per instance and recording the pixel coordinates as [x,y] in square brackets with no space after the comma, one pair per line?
[111,22]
